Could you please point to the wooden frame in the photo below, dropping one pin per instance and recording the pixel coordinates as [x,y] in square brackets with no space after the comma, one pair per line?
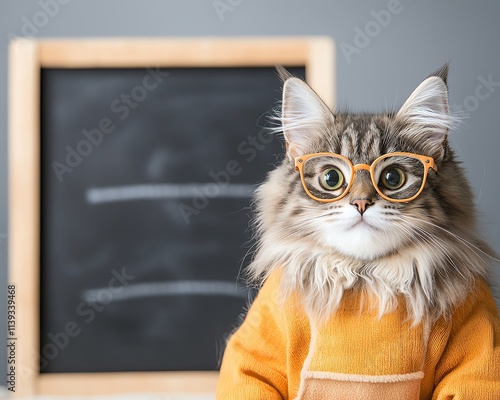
[26,58]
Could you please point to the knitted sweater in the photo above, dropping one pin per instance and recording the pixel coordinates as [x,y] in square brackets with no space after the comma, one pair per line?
[277,353]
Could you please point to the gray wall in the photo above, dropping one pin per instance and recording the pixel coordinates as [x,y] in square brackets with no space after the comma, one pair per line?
[377,74]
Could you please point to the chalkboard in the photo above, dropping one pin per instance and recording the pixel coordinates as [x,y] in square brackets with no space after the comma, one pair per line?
[146,181]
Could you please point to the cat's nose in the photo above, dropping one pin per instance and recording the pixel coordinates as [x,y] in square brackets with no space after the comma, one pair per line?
[361,204]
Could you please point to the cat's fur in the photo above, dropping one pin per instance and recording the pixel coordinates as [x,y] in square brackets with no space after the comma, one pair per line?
[427,251]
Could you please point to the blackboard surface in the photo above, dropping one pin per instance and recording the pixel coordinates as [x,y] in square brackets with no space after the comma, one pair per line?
[146,178]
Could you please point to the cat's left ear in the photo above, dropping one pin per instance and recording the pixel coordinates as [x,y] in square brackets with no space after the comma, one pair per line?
[425,116]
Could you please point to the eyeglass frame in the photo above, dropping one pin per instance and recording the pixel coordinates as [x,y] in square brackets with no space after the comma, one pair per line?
[427,161]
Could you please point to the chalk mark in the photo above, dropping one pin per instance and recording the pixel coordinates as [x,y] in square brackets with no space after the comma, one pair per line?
[168,191]
[170,288]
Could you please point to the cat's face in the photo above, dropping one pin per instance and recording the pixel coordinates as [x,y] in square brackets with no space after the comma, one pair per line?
[362,224]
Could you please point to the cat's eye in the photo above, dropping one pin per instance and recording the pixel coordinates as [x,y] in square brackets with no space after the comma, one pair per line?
[393,177]
[331,179]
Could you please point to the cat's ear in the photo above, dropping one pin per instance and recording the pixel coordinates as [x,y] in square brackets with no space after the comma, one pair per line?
[425,116]
[305,118]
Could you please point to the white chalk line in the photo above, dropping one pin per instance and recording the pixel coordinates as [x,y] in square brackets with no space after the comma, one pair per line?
[168,191]
[170,288]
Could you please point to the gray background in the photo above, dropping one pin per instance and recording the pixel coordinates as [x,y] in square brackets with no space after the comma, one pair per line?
[416,41]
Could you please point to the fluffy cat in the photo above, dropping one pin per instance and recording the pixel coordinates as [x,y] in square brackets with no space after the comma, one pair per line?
[428,249]
[371,267]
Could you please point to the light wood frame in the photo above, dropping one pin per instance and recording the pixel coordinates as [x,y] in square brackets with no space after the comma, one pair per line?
[26,58]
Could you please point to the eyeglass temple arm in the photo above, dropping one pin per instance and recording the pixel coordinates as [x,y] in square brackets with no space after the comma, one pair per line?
[432,164]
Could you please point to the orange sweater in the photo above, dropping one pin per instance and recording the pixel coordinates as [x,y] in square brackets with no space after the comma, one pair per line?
[278,354]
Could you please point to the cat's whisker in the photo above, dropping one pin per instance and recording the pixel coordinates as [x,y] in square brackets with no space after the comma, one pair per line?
[429,235]
[469,245]
[420,235]
[436,243]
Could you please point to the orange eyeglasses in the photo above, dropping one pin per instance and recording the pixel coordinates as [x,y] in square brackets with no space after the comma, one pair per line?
[397,177]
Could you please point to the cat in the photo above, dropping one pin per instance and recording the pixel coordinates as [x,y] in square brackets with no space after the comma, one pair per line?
[368,216]
[428,249]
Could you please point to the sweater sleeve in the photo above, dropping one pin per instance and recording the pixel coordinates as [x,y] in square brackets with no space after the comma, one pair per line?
[469,367]
[254,362]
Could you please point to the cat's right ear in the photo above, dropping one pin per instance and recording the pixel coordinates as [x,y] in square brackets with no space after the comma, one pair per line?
[305,118]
